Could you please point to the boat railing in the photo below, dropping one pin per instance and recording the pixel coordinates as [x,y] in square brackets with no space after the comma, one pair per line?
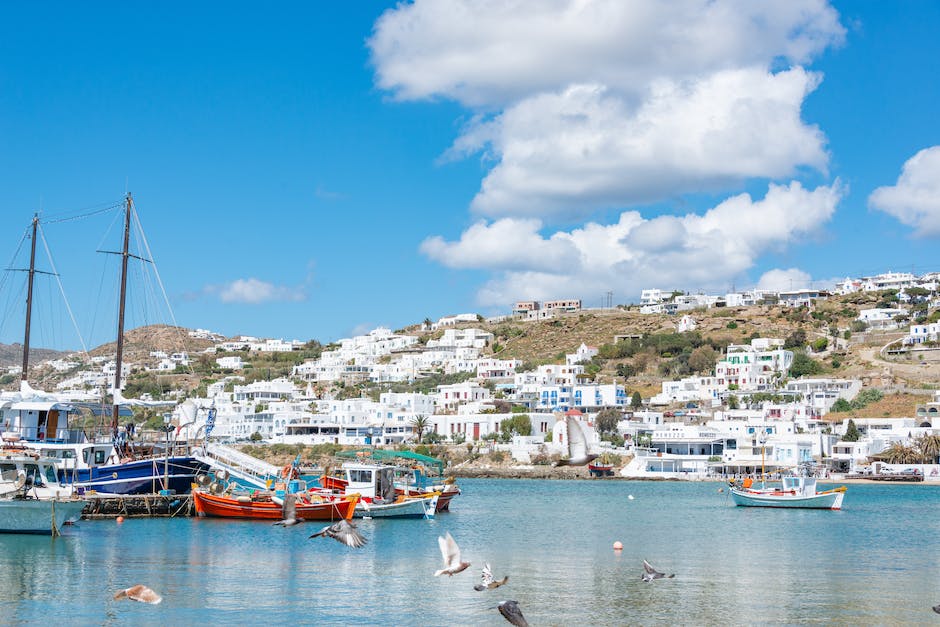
[259,469]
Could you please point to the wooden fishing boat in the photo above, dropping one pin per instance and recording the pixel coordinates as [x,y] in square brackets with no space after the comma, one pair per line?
[265,505]
[796,492]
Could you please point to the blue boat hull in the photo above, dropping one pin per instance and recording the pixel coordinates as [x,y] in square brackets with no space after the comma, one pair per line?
[147,476]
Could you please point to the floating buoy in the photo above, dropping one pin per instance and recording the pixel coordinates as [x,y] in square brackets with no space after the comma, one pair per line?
[630,497]
[721,489]
[120,519]
[618,545]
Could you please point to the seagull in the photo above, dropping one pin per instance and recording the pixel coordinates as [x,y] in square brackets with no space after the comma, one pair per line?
[650,573]
[511,612]
[488,582]
[289,509]
[343,531]
[936,608]
[577,445]
[139,593]
[451,554]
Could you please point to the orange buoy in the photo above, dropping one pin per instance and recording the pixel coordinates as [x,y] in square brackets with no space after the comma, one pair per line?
[120,519]
[618,545]
[748,482]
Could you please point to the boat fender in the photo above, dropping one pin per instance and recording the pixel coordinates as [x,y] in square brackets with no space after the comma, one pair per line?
[243,499]
[748,482]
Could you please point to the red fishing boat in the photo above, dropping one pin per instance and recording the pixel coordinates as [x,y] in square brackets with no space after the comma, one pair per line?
[263,505]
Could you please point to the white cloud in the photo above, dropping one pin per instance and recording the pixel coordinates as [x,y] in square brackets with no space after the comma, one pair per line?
[915,198]
[254,291]
[782,280]
[486,53]
[569,153]
[693,251]
[503,245]
[589,104]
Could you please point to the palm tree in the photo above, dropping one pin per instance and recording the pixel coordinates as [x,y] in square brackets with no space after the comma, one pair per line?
[929,448]
[897,453]
[419,424]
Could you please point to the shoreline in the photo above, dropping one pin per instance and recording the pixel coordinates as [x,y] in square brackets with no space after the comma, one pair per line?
[581,473]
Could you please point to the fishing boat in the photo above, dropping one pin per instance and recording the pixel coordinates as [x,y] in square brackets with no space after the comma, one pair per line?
[267,505]
[108,464]
[379,498]
[600,469]
[795,492]
[31,498]
[424,476]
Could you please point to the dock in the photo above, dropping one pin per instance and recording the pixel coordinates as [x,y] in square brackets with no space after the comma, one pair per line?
[106,506]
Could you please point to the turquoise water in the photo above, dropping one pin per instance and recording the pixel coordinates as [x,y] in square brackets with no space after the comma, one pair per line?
[875,562]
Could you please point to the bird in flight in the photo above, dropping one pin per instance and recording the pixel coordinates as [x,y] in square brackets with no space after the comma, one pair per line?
[650,573]
[488,581]
[139,593]
[511,612]
[343,531]
[289,511]
[578,454]
[451,554]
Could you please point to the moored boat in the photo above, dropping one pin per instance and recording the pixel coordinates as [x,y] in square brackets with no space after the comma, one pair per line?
[266,505]
[796,492]
[31,498]
[380,498]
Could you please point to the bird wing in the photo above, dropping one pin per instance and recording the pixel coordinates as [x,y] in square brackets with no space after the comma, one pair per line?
[289,509]
[511,612]
[650,570]
[346,532]
[487,575]
[577,442]
[449,550]
[143,594]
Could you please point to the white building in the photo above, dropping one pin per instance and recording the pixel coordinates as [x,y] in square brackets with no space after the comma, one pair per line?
[883,318]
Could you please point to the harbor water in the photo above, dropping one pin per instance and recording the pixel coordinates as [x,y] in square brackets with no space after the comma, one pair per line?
[874,562]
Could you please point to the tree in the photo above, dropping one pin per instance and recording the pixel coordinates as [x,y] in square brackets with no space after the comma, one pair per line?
[255,437]
[607,419]
[703,358]
[929,448]
[636,401]
[732,402]
[841,405]
[851,432]
[804,365]
[419,424]
[796,339]
[519,424]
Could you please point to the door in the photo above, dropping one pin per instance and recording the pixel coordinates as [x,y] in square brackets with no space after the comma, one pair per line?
[476,431]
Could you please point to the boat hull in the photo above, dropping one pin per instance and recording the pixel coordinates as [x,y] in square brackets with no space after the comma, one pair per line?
[264,508]
[145,476]
[821,500]
[35,516]
[420,507]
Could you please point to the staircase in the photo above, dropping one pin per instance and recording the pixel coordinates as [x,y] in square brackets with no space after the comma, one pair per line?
[244,469]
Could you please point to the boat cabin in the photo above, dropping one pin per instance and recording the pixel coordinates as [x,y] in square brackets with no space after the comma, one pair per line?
[372,481]
[40,421]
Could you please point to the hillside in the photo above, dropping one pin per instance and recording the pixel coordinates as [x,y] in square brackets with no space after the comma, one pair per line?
[12,355]
[656,353]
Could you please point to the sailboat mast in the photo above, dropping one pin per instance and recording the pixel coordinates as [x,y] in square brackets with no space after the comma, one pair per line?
[120,330]
[29,299]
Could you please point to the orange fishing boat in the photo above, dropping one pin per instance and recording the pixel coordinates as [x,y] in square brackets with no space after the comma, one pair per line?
[262,505]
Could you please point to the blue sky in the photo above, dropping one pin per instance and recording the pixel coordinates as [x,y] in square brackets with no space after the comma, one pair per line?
[312,171]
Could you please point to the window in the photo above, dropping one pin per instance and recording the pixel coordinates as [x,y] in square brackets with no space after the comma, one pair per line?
[100,456]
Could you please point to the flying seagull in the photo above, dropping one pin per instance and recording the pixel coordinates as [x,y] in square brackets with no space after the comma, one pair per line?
[289,510]
[511,612]
[343,531]
[488,581]
[451,554]
[139,593]
[650,573]
[577,445]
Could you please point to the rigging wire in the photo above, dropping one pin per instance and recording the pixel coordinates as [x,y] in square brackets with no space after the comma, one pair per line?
[92,210]
[156,273]
[58,279]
